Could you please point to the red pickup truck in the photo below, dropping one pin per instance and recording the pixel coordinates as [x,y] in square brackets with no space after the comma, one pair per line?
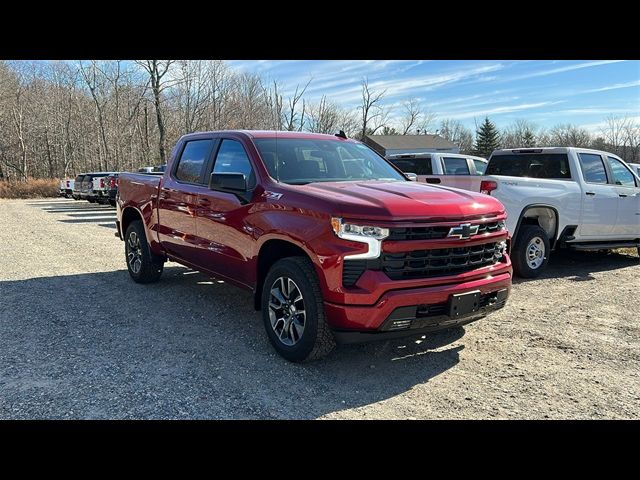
[334,241]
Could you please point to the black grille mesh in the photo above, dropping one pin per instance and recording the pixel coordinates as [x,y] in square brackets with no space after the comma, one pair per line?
[433,233]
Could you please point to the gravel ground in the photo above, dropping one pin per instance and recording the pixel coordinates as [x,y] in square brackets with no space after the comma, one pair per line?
[79,339]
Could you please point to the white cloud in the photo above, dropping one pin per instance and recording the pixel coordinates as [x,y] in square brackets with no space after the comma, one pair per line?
[498,110]
[567,68]
[615,86]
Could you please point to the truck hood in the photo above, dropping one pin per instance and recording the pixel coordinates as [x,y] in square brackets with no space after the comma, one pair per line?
[402,200]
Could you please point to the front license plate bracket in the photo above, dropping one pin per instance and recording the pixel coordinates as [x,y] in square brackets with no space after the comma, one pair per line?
[464,303]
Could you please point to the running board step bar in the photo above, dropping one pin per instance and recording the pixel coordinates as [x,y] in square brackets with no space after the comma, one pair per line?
[601,246]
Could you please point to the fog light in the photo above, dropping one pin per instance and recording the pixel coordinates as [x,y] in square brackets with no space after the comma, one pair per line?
[501,248]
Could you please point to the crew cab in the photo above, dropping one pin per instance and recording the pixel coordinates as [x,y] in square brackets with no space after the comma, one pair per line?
[563,197]
[441,168]
[335,243]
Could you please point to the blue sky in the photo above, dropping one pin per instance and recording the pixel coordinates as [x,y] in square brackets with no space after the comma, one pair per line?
[582,92]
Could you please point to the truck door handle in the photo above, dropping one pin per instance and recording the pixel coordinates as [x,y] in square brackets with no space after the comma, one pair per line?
[433,180]
[623,195]
[590,193]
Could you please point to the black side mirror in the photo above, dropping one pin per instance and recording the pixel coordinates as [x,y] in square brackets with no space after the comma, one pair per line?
[228,182]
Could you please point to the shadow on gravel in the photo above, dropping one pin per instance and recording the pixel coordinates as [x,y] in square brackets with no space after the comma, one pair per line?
[101,346]
[579,266]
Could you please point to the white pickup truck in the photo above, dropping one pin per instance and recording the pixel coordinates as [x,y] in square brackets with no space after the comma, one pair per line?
[563,198]
[448,169]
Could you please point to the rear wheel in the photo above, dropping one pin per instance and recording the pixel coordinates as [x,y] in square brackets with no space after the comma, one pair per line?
[143,265]
[293,311]
[531,251]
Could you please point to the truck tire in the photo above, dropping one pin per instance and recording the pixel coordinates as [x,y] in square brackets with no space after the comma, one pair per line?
[531,251]
[143,265]
[293,311]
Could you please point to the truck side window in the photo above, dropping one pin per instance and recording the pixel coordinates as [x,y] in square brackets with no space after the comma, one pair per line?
[192,161]
[419,166]
[621,175]
[593,170]
[480,166]
[455,166]
[232,158]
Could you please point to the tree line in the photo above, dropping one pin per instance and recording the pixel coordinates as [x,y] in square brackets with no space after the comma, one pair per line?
[60,118]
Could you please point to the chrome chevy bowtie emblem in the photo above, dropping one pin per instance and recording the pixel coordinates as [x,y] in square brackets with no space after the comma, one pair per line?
[463,231]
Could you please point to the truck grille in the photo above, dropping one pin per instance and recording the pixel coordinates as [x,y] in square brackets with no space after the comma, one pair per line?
[438,262]
[434,233]
[425,263]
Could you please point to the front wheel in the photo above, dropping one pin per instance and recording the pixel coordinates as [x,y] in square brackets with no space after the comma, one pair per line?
[143,265]
[531,251]
[293,311]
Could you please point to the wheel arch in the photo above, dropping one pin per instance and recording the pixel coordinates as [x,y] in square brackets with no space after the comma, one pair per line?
[544,215]
[130,214]
[271,251]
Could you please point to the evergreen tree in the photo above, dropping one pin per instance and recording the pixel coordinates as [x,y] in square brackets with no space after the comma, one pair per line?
[487,139]
[528,139]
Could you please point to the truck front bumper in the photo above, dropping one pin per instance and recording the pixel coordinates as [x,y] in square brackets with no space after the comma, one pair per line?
[410,311]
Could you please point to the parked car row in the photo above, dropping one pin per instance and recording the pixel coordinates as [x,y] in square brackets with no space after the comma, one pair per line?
[98,187]
[556,198]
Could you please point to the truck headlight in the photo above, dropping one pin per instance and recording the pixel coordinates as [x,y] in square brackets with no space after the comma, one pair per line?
[368,234]
[340,229]
[502,225]
[501,249]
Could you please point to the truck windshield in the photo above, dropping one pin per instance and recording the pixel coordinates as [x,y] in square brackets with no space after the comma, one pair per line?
[298,161]
[546,165]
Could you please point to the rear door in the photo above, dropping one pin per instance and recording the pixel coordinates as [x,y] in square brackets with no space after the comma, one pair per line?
[599,199]
[458,173]
[225,240]
[628,189]
[178,197]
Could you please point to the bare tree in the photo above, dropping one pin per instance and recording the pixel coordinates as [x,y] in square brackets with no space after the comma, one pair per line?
[291,120]
[157,71]
[415,118]
[373,115]
[457,133]
[522,133]
[568,135]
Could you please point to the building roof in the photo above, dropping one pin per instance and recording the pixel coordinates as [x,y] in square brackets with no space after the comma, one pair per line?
[404,142]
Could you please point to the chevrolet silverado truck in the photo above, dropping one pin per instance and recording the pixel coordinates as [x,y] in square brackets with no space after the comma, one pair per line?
[563,197]
[334,242]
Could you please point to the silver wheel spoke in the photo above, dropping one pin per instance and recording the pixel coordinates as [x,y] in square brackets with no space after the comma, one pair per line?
[287,311]
[277,294]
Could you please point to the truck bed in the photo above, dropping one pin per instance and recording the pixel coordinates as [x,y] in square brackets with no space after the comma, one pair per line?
[140,190]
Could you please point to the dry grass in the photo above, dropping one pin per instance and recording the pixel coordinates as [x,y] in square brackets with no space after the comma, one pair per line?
[32,188]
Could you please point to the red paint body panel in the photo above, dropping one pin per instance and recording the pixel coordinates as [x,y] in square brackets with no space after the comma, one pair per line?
[217,233]
[360,317]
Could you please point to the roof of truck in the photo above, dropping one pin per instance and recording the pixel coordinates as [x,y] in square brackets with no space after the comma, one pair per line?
[507,151]
[275,134]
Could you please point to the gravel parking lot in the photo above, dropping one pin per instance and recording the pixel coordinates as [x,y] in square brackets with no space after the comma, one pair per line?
[79,339]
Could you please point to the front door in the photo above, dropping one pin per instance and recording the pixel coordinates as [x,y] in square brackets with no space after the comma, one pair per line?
[178,199]
[599,199]
[225,238]
[628,190]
